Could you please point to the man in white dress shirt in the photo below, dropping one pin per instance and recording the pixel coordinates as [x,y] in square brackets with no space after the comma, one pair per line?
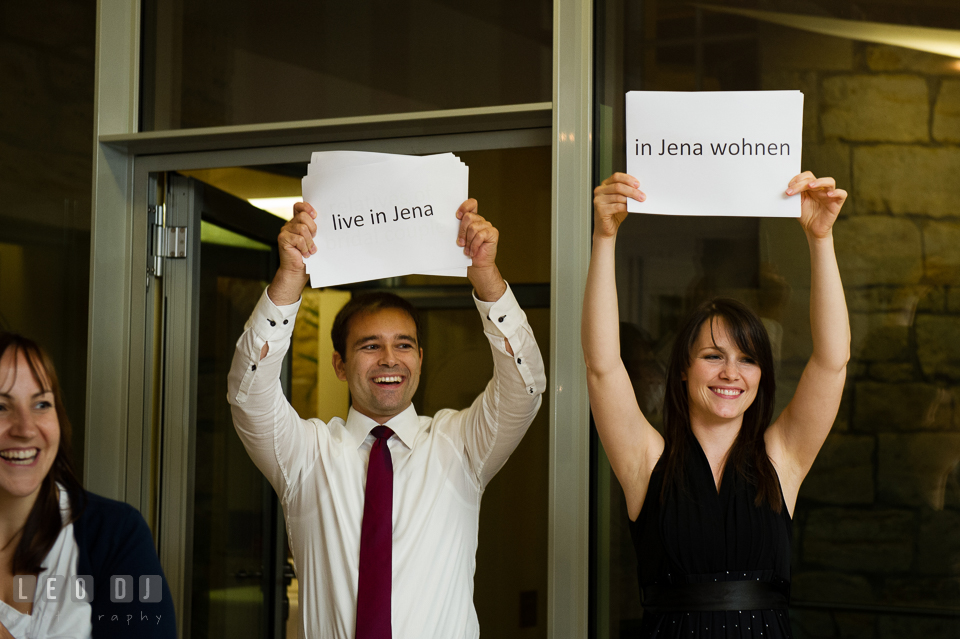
[440,464]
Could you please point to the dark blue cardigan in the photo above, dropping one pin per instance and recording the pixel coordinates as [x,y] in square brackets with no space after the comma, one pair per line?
[113,539]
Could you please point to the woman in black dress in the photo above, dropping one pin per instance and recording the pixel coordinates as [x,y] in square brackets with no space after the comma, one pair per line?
[710,501]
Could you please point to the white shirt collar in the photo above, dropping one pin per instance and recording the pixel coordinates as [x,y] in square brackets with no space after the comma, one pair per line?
[406,425]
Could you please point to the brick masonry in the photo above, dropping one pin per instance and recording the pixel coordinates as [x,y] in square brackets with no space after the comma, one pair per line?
[878,516]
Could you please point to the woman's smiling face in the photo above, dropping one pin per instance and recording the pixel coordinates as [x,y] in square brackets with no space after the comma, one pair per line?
[722,380]
[29,428]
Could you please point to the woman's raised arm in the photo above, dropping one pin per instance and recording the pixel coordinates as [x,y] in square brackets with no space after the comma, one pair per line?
[631,443]
[794,440]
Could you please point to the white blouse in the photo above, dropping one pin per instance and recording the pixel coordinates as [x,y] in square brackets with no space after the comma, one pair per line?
[63,619]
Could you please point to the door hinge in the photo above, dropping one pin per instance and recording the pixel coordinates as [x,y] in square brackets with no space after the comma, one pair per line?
[170,241]
[166,241]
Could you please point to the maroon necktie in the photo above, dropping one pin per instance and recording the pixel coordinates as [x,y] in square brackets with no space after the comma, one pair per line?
[376,543]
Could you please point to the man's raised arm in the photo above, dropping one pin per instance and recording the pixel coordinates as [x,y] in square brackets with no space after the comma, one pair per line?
[269,427]
[497,420]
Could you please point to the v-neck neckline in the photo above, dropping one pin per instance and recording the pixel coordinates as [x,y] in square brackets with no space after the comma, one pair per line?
[724,480]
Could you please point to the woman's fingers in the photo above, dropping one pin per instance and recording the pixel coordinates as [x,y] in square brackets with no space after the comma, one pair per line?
[620,188]
[806,176]
[622,178]
[807,181]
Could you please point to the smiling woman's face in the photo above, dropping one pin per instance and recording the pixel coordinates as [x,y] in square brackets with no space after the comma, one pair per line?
[722,380]
[29,428]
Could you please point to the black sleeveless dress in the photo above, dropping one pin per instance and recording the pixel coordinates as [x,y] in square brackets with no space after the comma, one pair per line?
[703,536]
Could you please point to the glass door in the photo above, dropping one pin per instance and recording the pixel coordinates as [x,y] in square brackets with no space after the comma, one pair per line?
[513,188]
[235,560]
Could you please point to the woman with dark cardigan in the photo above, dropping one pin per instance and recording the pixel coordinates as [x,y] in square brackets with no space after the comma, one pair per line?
[710,500]
[66,543]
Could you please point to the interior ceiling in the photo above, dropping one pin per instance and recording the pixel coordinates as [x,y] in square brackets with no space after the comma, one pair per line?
[940,14]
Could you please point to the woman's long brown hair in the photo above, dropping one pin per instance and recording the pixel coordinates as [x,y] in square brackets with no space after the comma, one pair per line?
[749,452]
[44,521]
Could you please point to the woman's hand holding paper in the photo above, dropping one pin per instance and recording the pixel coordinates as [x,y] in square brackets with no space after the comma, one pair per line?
[820,202]
[610,203]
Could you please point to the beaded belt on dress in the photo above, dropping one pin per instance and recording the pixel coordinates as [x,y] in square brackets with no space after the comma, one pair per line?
[715,595]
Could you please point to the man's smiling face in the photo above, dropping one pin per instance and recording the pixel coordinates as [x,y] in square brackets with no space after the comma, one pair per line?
[382,366]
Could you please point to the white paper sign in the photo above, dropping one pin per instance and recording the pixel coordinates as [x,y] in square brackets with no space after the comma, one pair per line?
[381,215]
[715,152]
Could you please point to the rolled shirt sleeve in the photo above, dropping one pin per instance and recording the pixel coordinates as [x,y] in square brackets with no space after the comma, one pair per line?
[497,420]
[267,424]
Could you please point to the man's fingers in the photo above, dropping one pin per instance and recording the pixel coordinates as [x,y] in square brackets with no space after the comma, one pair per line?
[485,234]
[302,225]
[476,233]
[306,208]
[298,235]
[468,220]
[469,234]
[468,206]
[305,219]
[304,233]
[296,241]
[474,230]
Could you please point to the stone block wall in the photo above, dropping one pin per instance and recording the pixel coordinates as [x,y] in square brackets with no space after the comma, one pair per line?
[878,520]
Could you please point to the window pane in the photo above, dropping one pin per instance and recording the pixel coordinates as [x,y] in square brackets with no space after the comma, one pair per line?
[876,530]
[512,186]
[46,129]
[214,63]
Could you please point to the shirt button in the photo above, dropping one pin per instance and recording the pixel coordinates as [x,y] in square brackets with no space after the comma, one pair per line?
[502,317]
[254,367]
[519,361]
[285,322]
[272,323]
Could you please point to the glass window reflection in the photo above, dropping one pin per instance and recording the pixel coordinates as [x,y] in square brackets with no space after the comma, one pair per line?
[216,63]
[876,543]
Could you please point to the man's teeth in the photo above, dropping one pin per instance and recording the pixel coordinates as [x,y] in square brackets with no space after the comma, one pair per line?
[391,379]
[729,392]
[25,456]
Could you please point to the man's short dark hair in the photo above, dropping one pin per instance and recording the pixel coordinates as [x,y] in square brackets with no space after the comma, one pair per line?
[367,303]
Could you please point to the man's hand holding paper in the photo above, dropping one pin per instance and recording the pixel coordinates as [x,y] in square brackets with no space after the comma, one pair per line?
[384,216]
[296,246]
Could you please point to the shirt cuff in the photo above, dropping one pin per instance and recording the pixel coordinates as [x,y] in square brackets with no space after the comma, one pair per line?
[270,322]
[502,318]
